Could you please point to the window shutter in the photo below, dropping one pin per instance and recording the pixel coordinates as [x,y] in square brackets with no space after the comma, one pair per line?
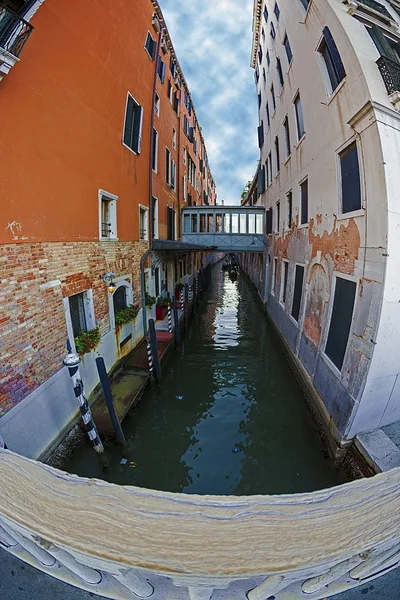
[176,102]
[384,48]
[261,135]
[191,133]
[153,48]
[137,129]
[129,122]
[201,165]
[261,180]
[337,61]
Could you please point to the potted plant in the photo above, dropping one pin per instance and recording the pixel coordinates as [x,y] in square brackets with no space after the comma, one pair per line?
[87,341]
[162,308]
[150,300]
[126,315]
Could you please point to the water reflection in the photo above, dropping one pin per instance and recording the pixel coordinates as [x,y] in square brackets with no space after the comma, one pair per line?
[229,417]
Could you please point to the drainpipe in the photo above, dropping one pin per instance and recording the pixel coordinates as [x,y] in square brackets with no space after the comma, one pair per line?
[151,217]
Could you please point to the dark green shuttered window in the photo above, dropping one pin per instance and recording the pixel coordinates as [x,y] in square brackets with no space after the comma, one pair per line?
[298,290]
[133,125]
[342,314]
[350,176]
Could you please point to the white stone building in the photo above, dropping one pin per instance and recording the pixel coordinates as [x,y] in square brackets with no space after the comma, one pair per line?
[328,83]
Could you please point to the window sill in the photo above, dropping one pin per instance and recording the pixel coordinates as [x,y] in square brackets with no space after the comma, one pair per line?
[129,148]
[289,66]
[108,239]
[302,226]
[351,215]
[277,174]
[333,94]
[287,160]
[332,365]
[306,13]
[300,141]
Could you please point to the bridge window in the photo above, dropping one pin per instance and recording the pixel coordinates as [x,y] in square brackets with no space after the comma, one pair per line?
[227,223]
[210,218]
[218,223]
[203,224]
[235,223]
[186,224]
[194,223]
[252,223]
[259,224]
[242,224]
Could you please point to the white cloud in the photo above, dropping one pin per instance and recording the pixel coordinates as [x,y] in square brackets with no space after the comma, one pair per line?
[212,39]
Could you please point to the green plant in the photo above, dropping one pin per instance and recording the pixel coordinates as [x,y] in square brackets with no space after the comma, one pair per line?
[87,341]
[179,286]
[150,300]
[163,301]
[127,314]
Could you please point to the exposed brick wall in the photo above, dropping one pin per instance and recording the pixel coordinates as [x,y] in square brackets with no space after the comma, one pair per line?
[32,321]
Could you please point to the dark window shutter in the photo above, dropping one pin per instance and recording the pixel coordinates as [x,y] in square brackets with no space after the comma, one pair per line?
[201,165]
[129,122]
[265,13]
[342,313]
[191,134]
[384,47]
[350,174]
[304,202]
[334,52]
[176,102]
[137,129]
[261,135]
[261,180]
[298,290]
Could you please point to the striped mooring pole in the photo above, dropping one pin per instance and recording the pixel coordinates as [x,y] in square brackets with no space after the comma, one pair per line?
[169,319]
[197,284]
[149,357]
[181,299]
[72,361]
[190,293]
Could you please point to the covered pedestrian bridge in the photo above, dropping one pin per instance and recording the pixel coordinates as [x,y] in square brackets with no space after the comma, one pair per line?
[224,228]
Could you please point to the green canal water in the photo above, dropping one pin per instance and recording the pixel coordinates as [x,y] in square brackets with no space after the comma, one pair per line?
[229,417]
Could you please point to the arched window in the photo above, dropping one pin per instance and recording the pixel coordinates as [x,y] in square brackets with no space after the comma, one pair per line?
[119,299]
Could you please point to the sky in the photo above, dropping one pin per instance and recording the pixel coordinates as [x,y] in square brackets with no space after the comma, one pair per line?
[212,40]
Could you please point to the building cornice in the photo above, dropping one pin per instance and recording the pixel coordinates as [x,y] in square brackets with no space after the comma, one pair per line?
[257,15]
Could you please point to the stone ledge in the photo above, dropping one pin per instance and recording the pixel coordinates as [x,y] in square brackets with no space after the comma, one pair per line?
[379,450]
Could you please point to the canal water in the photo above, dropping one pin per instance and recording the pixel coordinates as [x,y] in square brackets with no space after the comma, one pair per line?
[229,417]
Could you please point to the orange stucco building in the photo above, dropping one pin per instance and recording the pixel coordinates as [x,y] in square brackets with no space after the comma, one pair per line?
[94,166]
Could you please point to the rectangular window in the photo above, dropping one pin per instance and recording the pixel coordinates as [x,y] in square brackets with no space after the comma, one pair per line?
[261,135]
[184,156]
[161,69]
[289,209]
[272,31]
[350,179]
[167,166]
[268,58]
[305,3]
[133,125]
[264,76]
[155,217]
[108,216]
[176,103]
[270,167]
[173,174]
[173,138]
[275,275]
[77,312]
[288,49]
[184,188]
[278,217]
[342,314]
[299,117]
[268,117]
[143,223]
[273,97]
[151,46]
[154,151]
[304,202]
[169,90]
[261,180]
[279,69]
[333,66]
[277,158]
[268,221]
[265,14]
[287,137]
[157,105]
[298,291]
[386,46]
[259,100]
[260,55]
[170,223]
[277,12]
[284,281]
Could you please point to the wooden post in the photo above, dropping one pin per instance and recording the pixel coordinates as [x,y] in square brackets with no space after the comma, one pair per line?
[176,320]
[105,384]
[153,342]
[186,304]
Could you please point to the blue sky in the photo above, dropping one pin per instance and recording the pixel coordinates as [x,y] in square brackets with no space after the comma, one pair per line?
[212,39]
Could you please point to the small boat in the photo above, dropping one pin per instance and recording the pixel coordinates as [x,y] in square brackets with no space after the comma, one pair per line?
[233,274]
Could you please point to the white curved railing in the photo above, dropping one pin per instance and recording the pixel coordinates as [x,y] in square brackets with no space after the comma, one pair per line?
[114,540]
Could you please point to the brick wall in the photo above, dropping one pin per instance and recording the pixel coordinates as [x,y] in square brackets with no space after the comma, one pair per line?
[34,279]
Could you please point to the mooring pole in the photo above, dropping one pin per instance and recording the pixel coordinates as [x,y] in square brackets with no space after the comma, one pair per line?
[169,319]
[176,320]
[186,304]
[72,362]
[153,342]
[105,384]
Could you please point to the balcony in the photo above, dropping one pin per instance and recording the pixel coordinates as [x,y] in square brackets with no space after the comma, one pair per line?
[14,32]
[390,71]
